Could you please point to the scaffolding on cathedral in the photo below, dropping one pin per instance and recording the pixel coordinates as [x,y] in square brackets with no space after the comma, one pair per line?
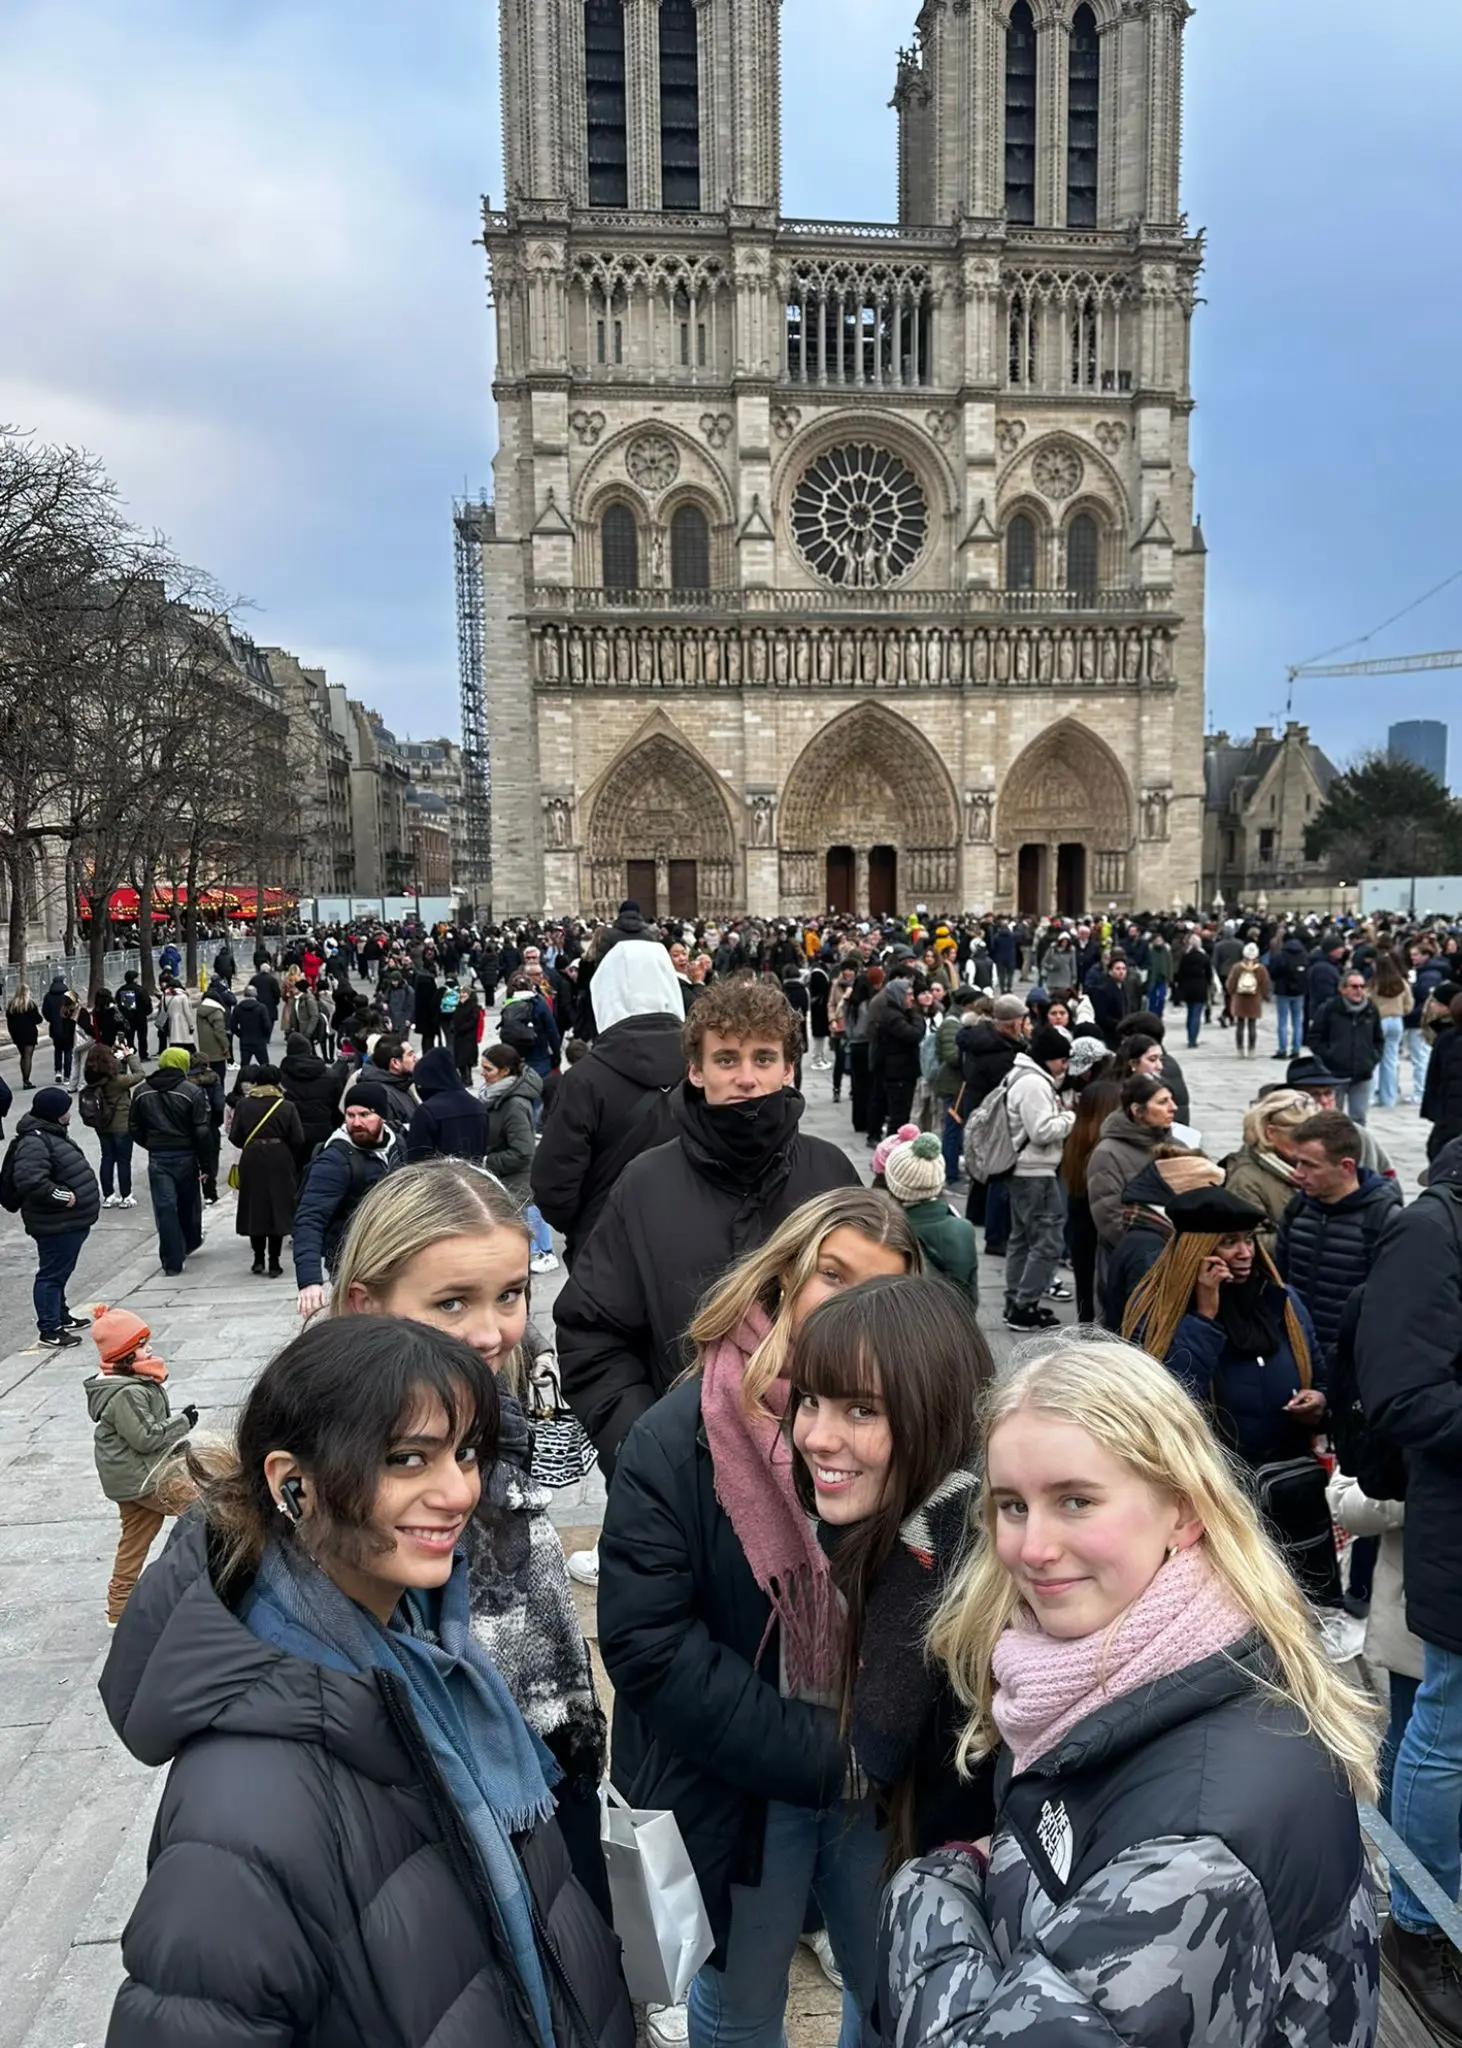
[471,522]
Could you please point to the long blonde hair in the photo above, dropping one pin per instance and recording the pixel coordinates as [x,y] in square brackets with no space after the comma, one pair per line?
[412,1209]
[1164,1295]
[1142,1416]
[777,1273]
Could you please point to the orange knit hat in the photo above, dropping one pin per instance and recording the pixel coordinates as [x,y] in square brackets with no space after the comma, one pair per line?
[118,1336]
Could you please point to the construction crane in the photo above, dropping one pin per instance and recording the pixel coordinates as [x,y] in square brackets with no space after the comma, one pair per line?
[472,523]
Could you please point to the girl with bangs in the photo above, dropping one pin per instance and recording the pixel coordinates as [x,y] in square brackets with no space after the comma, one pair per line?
[721,1629]
[356,1841]
[1177,1860]
[887,1381]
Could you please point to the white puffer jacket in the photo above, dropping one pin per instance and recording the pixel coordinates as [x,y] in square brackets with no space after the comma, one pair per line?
[1038,1123]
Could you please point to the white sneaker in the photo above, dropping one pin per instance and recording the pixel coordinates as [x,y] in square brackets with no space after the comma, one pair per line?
[126,1201]
[584,1566]
[111,1201]
[543,1262]
[667,2026]
[822,1948]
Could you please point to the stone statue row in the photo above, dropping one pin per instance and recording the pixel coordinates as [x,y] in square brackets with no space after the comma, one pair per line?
[922,656]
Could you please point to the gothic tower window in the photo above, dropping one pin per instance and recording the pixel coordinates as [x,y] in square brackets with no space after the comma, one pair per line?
[605,74]
[1084,113]
[620,538]
[1025,338]
[1020,553]
[690,549]
[680,117]
[1083,554]
[1020,116]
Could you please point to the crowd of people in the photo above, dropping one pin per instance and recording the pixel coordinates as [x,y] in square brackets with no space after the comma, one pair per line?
[1034,1700]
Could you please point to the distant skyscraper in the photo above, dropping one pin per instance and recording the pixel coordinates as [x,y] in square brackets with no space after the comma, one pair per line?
[1422,740]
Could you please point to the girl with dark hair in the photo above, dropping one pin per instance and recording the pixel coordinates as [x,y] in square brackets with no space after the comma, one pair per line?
[1141,1121]
[114,1073]
[356,1840]
[719,1625]
[887,1379]
[1101,1095]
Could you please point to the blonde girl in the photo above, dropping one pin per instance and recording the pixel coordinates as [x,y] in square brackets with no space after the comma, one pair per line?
[442,1244]
[1177,1857]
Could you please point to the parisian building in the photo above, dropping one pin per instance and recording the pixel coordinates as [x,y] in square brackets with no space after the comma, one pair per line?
[839,564]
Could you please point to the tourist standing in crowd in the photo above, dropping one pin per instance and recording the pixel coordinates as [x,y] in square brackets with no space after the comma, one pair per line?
[1182,1755]
[719,1626]
[1127,1142]
[897,1033]
[678,1216]
[23,1022]
[347,1166]
[867,986]
[169,1120]
[60,1008]
[1391,994]
[1094,1095]
[1260,1171]
[618,1102]
[1345,1037]
[1331,1230]
[948,1242]
[1040,1123]
[1427,975]
[450,1122]
[1193,985]
[987,1052]
[1441,1096]
[1408,1358]
[1289,974]
[266,1128]
[314,1088]
[47,1177]
[109,1081]
[1247,989]
[357,1837]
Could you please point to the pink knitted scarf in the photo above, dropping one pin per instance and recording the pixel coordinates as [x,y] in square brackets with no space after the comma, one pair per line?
[1045,1686]
[752,1461]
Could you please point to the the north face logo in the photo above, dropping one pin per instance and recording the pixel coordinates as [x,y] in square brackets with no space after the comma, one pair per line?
[1053,1832]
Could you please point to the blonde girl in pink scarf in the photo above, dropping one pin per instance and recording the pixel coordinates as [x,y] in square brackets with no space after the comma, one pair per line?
[1177,1856]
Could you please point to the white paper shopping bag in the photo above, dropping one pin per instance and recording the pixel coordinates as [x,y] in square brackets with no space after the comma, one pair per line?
[659,1914]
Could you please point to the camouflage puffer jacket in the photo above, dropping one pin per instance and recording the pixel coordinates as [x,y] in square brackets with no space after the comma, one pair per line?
[1184,1870]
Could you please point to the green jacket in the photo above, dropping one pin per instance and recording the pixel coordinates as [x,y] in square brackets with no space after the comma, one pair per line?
[948,1243]
[948,1079]
[137,1433]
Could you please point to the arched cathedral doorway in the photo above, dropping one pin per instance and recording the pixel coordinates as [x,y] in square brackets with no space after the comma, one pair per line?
[659,831]
[1065,828]
[869,824]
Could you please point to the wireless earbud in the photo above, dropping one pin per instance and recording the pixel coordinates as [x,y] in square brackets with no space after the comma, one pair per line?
[291,1499]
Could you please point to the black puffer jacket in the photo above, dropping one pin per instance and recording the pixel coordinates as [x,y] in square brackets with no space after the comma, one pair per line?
[675,1220]
[1441,1101]
[310,1878]
[1193,976]
[169,1114]
[449,1123]
[896,1040]
[1145,1238]
[985,1058]
[611,1107]
[1345,1041]
[314,1086]
[700,1724]
[1408,1358]
[1327,1249]
[46,1159]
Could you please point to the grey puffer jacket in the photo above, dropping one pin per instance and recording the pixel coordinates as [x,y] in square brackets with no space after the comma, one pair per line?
[1183,1871]
[309,1877]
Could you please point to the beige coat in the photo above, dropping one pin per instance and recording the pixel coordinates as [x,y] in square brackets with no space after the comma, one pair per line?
[1389,1642]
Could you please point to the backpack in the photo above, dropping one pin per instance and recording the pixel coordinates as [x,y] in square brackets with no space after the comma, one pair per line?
[518,1027]
[1247,983]
[990,1148]
[91,1106]
[9,1192]
[448,1003]
[126,1001]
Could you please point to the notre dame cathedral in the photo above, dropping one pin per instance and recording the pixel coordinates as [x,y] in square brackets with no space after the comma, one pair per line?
[837,563]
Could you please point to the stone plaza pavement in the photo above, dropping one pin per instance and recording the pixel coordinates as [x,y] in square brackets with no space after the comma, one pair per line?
[75,1810]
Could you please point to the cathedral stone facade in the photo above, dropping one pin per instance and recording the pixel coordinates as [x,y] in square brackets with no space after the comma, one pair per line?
[835,564]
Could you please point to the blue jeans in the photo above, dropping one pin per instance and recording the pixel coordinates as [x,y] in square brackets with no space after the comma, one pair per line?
[835,1857]
[177,1206]
[1195,1023]
[542,1235]
[1387,1081]
[56,1258]
[1420,1055]
[1157,998]
[953,1142]
[1426,1791]
[1290,1014]
[116,1162]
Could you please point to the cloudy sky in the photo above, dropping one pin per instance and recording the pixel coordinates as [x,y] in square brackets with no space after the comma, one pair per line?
[236,260]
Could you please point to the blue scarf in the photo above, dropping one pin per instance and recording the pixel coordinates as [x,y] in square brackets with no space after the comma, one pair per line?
[496,1769]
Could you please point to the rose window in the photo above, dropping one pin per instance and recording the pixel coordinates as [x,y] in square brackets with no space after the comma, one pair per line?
[860,517]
